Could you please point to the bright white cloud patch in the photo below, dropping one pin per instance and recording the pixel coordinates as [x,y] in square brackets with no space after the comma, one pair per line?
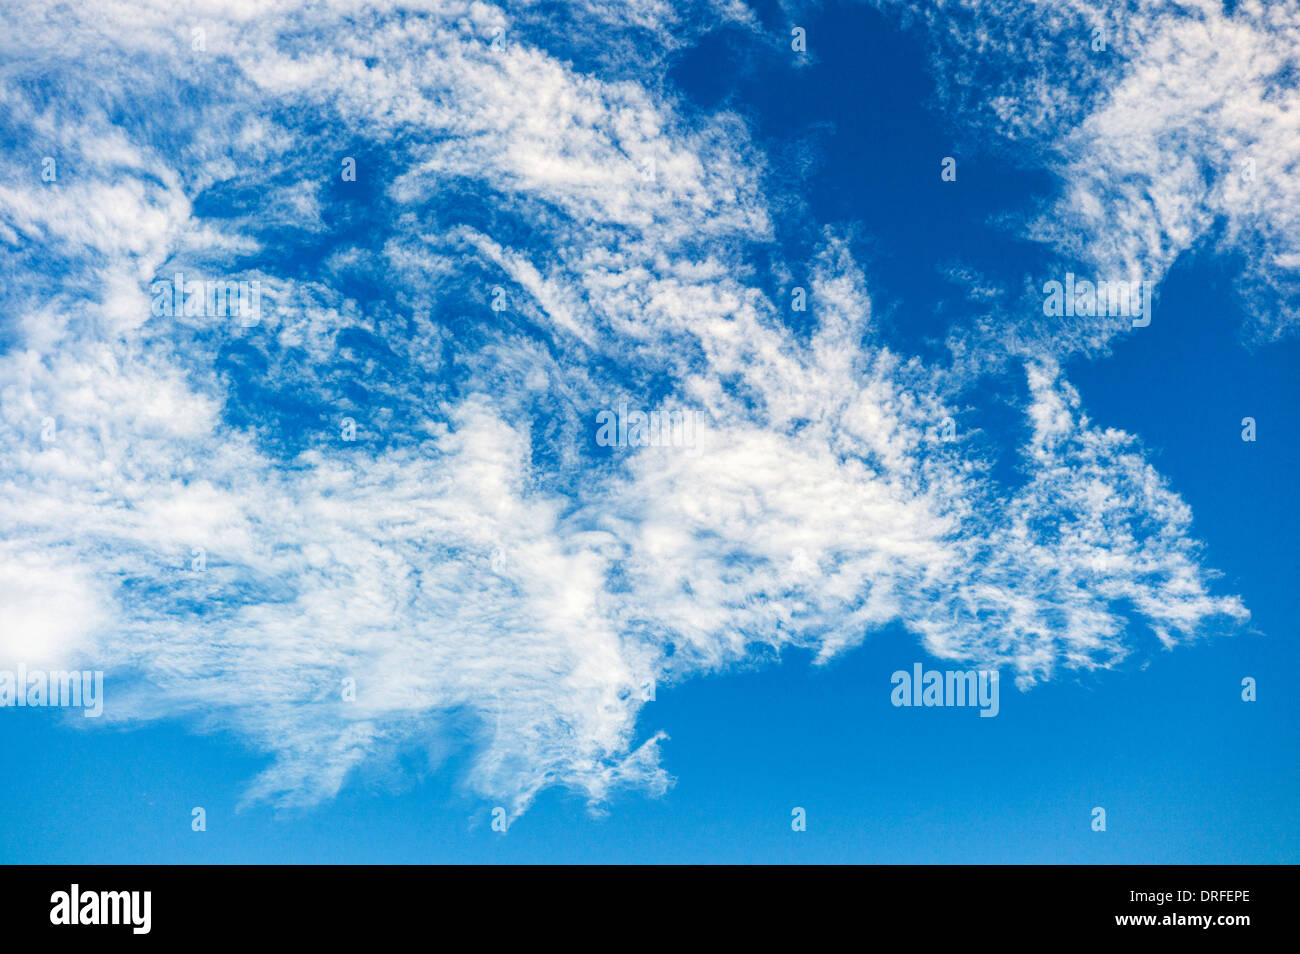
[473,558]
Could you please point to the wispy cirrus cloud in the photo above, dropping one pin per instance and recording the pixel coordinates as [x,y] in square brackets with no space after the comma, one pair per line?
[1170,126]
[473,557]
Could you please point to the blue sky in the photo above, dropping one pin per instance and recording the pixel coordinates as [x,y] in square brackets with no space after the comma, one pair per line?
[650,653]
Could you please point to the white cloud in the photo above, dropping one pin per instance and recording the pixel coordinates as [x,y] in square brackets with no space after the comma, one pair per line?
[470,558]
[1183,129]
